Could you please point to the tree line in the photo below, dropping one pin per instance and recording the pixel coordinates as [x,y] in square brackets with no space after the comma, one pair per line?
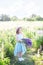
[33,17]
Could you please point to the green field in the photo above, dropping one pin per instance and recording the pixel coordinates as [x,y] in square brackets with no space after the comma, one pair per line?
[33,30]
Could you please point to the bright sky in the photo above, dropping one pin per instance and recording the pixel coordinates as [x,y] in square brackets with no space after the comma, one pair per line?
[21,8]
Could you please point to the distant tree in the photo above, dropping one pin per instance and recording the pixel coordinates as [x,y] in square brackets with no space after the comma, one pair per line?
[14,18]
[38,18]
[30,19]
[25,18]
[33,15]
[33,18]
[4,18]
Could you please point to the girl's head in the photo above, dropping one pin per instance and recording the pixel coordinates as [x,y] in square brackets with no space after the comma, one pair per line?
[19,30]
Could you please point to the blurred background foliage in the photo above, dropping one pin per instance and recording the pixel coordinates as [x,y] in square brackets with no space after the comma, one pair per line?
[8,39]
[33,17]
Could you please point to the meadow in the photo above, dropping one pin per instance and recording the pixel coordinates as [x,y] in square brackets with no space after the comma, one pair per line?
[32,30]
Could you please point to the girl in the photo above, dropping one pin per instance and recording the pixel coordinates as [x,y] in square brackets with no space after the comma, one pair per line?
[20,48]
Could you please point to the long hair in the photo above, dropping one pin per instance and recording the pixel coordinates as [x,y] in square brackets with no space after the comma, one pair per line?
[17,31]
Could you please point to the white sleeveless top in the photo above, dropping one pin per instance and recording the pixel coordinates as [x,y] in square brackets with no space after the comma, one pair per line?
[19,36]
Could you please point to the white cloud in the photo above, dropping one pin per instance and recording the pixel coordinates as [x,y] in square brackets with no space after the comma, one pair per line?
[20,8]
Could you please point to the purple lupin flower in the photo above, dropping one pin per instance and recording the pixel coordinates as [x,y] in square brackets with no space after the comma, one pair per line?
[27,41]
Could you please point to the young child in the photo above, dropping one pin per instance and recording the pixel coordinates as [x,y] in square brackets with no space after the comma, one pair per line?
[20,48]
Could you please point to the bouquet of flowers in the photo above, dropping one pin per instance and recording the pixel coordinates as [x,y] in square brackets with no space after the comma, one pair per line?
[27,41]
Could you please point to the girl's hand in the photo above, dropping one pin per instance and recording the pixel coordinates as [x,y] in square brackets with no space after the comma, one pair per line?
[20,40]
